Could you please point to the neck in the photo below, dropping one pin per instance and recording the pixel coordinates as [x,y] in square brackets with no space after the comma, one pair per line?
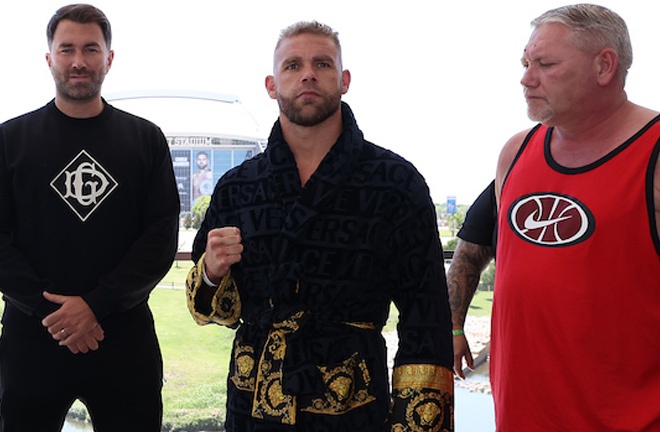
[310,144]
[79,109]
[595,136]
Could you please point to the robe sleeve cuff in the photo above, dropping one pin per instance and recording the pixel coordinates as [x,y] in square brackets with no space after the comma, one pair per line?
[208,304]
[423,399]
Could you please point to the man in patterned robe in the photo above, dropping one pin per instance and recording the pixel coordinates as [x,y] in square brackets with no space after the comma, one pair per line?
[303,249]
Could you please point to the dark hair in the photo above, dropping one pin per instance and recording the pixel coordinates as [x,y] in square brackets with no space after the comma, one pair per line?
[82,14]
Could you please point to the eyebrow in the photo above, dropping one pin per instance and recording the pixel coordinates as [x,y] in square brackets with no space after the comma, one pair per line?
[86,45]
[323,57]
[527,57]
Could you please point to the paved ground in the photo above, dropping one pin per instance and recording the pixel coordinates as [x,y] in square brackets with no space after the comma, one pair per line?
[477,330]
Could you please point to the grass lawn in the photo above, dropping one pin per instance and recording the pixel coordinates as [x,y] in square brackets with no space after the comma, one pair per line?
[482,303]
[196,361]
[196,357]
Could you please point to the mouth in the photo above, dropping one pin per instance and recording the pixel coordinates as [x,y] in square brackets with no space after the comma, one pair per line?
[308,94]
[79,78]
[533,99]
[531,96]
[79,75]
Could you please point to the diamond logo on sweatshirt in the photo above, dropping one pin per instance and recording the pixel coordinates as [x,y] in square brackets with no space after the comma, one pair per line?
[83,185]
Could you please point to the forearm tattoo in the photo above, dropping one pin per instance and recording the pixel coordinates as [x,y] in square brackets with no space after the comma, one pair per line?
[469,261]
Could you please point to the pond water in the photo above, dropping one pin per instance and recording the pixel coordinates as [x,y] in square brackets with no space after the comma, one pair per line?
[76,426]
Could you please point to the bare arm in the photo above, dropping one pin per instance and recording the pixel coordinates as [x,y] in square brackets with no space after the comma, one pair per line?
[507,155]
[469,261]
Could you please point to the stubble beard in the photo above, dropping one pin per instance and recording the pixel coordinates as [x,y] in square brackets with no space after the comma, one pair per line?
[78,91]
[540,114]
[308,114]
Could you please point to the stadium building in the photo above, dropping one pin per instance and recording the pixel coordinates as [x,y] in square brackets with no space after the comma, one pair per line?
[208,133]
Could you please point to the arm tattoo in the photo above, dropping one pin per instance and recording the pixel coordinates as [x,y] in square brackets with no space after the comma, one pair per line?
[469,261]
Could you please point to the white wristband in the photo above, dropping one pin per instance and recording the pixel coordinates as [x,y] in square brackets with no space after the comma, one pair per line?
[207,281]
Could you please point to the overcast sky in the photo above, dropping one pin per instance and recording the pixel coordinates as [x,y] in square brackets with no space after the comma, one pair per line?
[437,82]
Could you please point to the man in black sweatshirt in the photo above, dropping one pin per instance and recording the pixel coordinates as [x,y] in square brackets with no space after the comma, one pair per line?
[88,226]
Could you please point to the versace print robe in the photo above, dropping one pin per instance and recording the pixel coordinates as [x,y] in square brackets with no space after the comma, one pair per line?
[321,265]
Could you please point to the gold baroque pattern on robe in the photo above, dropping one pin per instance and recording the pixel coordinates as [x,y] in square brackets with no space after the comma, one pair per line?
[270,403]
[427,393]
[347,388]
[244,362]
[226,302]
[347,384]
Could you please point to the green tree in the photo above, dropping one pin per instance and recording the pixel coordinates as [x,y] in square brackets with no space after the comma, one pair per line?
[200,206]
[451,244]
[199,210]
[197,221]
[455,221]
[187,220]
[451,221]
[440,209]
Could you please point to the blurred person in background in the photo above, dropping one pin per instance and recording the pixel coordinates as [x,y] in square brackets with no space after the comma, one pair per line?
[474,252]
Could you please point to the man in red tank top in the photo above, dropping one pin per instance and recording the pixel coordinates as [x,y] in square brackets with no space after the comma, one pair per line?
[577,300]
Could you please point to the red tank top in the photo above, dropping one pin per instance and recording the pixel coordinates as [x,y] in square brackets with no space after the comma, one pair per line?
[576,314]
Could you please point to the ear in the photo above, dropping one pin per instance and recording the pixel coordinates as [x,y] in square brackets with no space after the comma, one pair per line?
[111,57]
[606,64]
[270,87]
[345,80]
[49,61]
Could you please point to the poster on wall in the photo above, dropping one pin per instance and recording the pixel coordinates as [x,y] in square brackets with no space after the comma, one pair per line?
[197,169]
[181,162]
[202,179]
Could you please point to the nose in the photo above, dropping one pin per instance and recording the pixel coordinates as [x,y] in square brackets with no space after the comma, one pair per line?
[308,74]
[529,78]
[78,60]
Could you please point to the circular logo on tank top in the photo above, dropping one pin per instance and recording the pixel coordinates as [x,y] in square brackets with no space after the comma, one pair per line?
[550,219]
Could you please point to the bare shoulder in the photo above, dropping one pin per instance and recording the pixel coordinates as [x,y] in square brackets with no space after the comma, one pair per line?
[646,113]
[656,178]
[638,117]
[508,153]
[649,115]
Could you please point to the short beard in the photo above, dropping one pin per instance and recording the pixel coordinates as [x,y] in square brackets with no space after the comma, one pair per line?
[298,115]
[540,115]
[78,92]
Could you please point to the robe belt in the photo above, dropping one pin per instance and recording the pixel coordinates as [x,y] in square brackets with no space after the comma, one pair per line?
[276,384]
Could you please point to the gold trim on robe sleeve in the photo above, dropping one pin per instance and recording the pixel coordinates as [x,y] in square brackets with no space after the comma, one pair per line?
[423,399]
[225,307]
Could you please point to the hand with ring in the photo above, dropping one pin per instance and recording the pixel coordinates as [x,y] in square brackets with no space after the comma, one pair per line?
[74,324]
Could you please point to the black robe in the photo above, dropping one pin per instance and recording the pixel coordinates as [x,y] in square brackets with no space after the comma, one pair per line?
[322,264]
